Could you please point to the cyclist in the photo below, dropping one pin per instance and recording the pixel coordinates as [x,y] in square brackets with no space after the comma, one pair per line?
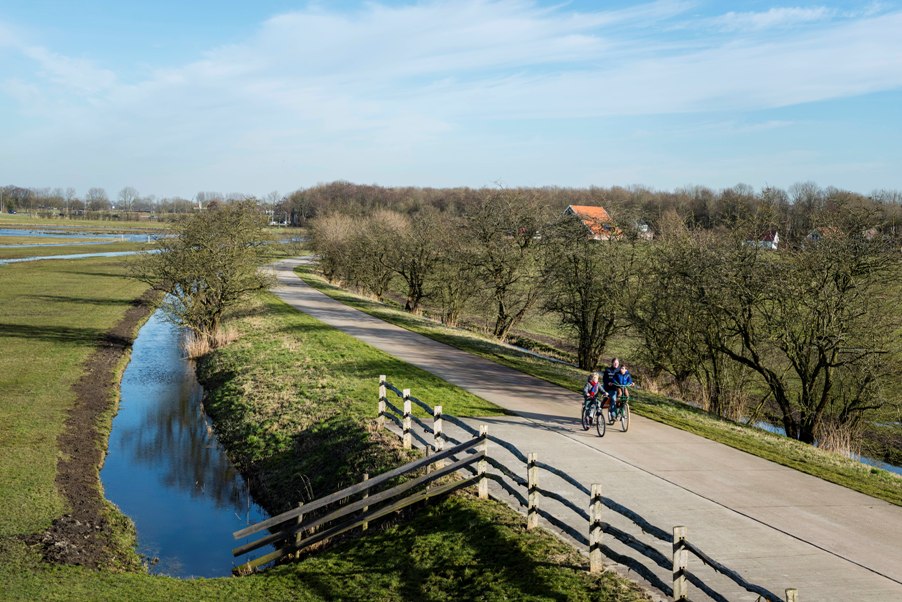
[607,380]
[621,379]
[591,390]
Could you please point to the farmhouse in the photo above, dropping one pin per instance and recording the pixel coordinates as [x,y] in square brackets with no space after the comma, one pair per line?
[767,240]
[599,224]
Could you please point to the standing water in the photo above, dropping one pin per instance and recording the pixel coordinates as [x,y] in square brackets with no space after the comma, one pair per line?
[164,467]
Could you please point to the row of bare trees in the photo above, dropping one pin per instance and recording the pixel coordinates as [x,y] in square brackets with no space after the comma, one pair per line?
[794,212]
[97,203]
[808,329]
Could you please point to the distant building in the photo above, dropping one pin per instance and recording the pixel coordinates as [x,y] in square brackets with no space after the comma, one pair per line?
[821,233]
[767,240]
[599,224]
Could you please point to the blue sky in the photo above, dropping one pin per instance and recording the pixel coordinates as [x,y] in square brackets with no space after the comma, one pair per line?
[173,98]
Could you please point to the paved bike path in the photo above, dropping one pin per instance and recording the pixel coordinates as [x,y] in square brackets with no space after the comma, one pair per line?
[776,526]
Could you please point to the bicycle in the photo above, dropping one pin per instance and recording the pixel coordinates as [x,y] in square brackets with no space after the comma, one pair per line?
[592,413]
[623,410]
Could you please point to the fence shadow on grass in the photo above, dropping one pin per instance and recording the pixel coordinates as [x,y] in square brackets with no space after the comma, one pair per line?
[448,550]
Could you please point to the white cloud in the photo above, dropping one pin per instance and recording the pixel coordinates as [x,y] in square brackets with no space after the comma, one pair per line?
[772,18]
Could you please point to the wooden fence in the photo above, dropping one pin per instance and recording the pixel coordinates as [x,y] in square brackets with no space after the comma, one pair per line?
[512,484]
[334,514]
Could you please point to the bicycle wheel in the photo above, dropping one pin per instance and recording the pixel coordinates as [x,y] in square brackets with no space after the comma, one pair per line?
[600,423]
[625,417]
[587,417]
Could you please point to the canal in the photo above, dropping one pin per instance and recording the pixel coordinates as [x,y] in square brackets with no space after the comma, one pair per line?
[164,468]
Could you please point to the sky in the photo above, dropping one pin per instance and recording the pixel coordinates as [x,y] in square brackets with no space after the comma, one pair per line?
[173,98]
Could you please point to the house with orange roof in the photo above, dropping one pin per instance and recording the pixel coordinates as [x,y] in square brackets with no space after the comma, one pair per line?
[597,221]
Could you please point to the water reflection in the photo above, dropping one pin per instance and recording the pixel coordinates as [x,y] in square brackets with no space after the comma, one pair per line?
[165,469]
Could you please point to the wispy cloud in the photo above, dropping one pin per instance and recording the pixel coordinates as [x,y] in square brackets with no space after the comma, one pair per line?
[447,59]
[772,18]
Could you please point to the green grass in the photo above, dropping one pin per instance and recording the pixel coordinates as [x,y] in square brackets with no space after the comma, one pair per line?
[25,220]
[805,458]
[52,314]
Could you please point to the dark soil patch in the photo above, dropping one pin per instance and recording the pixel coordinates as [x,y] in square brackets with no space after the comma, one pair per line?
[85,536]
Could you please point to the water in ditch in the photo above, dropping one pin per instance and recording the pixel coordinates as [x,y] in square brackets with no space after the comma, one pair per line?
[164,468]
[779,430]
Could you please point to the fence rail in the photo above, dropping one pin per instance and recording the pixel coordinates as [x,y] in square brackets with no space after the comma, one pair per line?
[510,482]
[311,523]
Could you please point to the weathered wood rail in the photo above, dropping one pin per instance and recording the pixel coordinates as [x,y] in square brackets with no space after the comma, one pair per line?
[512,484]
[334,514]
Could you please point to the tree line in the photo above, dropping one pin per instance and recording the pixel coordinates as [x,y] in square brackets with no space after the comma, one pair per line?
[794,212]
[809,328]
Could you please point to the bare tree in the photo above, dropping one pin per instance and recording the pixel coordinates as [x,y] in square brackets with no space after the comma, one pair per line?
[812,323]
[418,243]
[97,200]
[504,230]
[127,196]
[70,198]
[587,285]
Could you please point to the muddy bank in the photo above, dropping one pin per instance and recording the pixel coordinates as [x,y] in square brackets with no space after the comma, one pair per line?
[85,536]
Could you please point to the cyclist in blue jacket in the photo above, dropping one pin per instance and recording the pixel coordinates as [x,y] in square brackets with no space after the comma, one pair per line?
[607,380]
[620,379]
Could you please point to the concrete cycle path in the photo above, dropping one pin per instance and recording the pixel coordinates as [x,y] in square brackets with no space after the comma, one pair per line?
[776,526]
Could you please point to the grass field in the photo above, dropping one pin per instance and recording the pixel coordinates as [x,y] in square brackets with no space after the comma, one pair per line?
[25,220]
[52,315]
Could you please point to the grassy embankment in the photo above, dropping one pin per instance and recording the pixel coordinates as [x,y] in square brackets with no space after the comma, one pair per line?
[53,314]
[828,466]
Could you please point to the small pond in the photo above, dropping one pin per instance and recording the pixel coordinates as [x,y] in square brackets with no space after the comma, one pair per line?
[165,469]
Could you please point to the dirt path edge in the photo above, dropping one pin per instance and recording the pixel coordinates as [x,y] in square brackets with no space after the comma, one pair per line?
[85,535]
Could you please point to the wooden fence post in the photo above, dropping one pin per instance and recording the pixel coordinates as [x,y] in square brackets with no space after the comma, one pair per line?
[366,494]
[595,531]
[438,443]
[532,488]
[792,595]
[406,437]
[482,465]
[381,419]
[299,535]
[680,561]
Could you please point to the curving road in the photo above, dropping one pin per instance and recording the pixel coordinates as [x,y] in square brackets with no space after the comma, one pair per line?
[775,526]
